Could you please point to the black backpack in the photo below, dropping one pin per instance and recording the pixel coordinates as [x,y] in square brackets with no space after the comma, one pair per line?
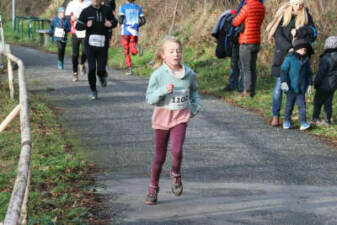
[226,37]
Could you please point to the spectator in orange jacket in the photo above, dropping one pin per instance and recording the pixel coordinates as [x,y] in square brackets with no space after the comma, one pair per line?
[251,15]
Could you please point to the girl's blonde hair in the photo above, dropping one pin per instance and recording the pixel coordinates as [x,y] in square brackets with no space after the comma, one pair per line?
[158,59]
[302,17]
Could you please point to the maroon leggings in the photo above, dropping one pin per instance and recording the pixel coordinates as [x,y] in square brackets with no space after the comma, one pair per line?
[177,137]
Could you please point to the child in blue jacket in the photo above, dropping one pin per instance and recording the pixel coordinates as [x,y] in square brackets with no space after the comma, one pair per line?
[296,80]
[59,29]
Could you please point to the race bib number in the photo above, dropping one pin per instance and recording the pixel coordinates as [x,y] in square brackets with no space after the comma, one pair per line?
[59,32]
[80,34]
[177,100]
[96,40]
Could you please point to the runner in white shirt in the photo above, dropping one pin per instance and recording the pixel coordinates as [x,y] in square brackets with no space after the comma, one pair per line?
[73,11]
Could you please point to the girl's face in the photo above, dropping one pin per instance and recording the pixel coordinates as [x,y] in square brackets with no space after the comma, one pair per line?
[298,6]
[172,54]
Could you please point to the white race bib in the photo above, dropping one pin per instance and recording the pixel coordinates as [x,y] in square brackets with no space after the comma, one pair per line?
[59,32]
[80,34]
[177,100]
[97,40]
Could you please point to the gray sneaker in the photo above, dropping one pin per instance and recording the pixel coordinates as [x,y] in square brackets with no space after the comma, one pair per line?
[152,196]
[176,184]
[129,72]
[93,95]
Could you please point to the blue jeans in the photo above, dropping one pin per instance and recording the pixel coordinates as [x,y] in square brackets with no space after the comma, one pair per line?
[277,97]
[233,81]
[300,102]
[236,71]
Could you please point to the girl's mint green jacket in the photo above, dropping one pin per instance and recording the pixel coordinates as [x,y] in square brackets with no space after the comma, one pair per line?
[156,90]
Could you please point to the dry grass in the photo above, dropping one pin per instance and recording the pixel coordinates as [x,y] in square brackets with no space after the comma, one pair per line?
[196,18]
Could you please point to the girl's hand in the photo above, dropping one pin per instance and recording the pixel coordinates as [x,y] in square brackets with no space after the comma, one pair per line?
[169,87]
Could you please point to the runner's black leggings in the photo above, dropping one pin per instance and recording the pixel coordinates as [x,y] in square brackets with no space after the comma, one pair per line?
[61,47]
[76,42]
[97,58]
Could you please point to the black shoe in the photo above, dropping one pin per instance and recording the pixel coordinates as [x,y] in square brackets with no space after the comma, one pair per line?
[314,121]
[104,82]
[228,89]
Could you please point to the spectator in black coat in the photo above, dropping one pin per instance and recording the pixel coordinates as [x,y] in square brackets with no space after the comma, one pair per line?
[291,21]
[326,81]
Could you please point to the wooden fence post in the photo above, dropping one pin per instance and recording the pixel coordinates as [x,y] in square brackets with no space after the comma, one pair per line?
[10,118]
[10,74]
[24,209]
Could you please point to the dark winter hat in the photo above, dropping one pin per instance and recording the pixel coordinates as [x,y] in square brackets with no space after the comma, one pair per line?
[331,42]
[302,43]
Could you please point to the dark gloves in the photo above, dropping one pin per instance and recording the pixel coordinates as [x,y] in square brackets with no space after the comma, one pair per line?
[121,19]
[142,21]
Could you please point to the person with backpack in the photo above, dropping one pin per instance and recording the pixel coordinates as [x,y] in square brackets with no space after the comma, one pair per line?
[292,20]
[59,29]
[326,81]
[227,46]
[131,18]
[251,15]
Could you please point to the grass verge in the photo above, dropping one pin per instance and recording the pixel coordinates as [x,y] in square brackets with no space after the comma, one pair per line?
[62,188]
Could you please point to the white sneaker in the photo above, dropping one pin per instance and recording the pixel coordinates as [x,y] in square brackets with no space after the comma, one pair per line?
[75,77]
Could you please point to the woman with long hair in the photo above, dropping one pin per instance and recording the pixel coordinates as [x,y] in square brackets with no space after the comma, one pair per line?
[291,21]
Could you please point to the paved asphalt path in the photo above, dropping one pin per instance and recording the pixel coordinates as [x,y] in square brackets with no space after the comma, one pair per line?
[236,169]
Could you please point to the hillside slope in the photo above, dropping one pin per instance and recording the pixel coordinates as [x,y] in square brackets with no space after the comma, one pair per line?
[24,7]
[196,18]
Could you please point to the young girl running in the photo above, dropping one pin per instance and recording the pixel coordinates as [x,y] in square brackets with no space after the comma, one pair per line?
[172,89]
[59,29]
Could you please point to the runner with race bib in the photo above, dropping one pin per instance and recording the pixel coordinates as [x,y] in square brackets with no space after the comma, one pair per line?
[97,20]
[73,11]
[173,90]
[131,18]
[59,29]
